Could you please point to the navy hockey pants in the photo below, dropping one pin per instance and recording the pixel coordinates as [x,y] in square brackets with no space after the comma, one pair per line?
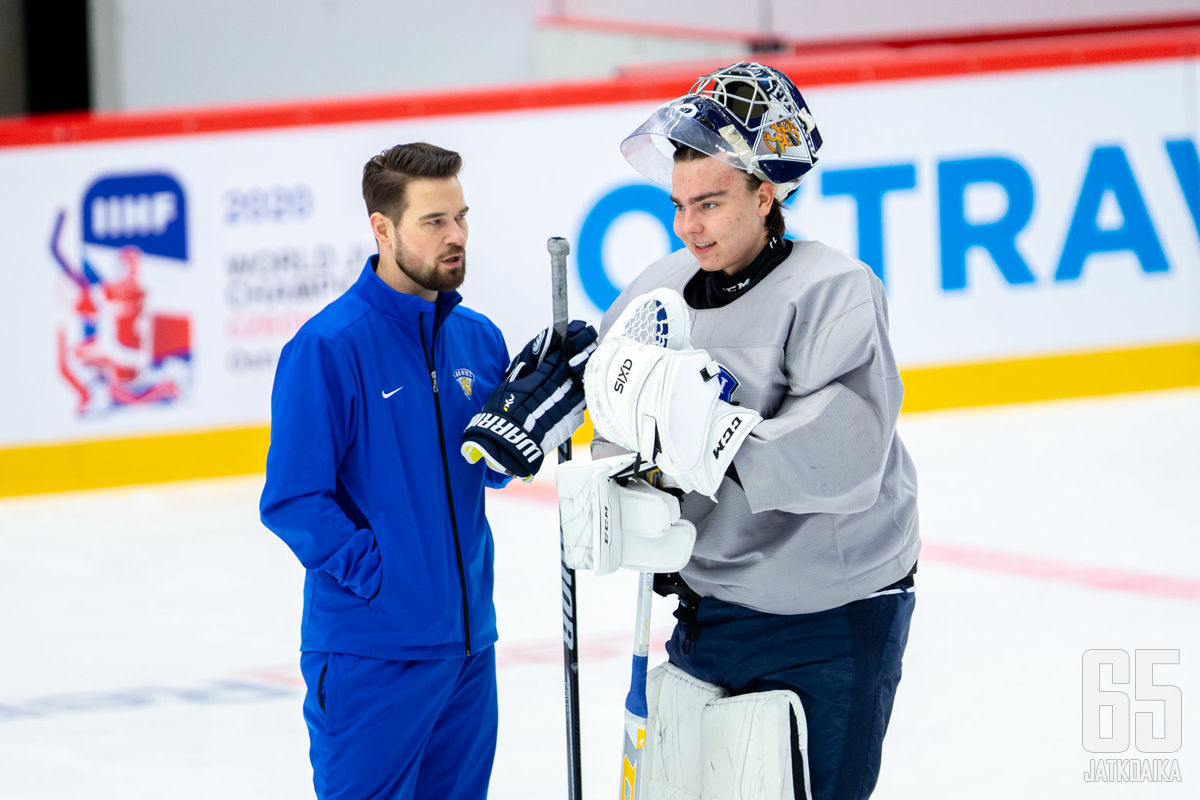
[400,730]
[844,664]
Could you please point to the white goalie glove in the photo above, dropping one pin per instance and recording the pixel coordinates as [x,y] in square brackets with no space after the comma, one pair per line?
[608,525]
[664,402]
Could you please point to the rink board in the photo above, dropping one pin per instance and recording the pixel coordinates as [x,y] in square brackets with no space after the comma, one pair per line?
[1037,226]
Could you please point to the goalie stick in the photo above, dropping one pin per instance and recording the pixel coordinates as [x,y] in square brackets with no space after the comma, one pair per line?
[636,712]
[657,321]
[559,248]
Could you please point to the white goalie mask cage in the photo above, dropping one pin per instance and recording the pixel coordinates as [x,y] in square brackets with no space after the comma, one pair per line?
[748,115]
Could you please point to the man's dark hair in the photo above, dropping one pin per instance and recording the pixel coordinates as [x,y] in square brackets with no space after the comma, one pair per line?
[387,175]
[774,222]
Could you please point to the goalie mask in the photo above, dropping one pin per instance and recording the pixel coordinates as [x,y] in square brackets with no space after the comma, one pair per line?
[747,115]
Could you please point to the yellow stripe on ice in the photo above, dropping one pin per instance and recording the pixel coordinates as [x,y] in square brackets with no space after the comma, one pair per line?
[145,459]
[1052,377]
[90,464]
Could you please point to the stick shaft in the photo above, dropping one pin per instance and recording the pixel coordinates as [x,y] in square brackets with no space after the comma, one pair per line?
[558,248]
[636,712]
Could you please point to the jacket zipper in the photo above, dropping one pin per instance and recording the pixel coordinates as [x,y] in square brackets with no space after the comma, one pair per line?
[437,407]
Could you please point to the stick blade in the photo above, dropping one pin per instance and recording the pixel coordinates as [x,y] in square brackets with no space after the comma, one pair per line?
[631,764]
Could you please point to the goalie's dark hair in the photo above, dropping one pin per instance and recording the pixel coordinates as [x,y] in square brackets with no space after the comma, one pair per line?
[774,223]
[386,176]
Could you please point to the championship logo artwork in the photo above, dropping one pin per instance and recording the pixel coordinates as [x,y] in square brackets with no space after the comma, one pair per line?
[127,343]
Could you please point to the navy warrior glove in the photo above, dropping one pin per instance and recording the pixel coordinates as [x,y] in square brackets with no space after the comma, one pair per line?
[537,407]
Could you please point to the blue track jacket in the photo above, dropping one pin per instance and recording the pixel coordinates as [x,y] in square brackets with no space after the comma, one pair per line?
[365,482]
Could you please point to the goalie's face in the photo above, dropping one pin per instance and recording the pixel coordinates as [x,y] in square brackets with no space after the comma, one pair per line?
[425,251]
[718,217]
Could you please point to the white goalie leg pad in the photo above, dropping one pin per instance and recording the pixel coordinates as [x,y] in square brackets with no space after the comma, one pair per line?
[673,759]
[756,746]
[666,405]
[607,525]
[703,745]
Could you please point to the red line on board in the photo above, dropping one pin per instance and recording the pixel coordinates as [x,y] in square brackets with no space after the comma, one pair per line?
[637,84]
[915,38]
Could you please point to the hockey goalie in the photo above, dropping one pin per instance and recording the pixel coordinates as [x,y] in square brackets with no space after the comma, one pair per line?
[744,395]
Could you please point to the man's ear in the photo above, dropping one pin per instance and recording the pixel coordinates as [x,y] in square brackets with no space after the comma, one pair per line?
[382,228]
[766,198]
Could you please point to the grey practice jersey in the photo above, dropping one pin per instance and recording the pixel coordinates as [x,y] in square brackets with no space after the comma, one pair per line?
[827,508]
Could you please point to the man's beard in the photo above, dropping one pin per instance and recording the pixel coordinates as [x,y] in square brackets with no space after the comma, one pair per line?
[433,277]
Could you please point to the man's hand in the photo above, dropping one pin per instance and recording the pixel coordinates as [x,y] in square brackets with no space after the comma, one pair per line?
[536,408]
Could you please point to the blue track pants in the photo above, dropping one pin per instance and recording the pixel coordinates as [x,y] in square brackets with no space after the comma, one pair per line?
[400,730]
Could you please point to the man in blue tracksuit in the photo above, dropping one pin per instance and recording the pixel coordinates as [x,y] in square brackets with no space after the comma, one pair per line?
[365,485]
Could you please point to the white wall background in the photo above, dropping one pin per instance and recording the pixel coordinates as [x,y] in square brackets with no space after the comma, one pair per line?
[170,53]
[814,20]
[165,53]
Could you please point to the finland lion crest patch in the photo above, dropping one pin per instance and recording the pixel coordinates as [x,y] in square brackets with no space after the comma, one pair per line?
[465,379]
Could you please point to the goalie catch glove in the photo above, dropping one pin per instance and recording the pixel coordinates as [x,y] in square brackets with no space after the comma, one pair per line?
[665,405]
[608,525]
[536,408]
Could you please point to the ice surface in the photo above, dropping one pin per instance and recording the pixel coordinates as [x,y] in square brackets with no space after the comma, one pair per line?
[150,634]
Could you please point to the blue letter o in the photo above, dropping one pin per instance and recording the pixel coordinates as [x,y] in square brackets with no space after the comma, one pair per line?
[634,197]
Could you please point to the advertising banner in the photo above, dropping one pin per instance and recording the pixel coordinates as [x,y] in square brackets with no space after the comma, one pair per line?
[151,282]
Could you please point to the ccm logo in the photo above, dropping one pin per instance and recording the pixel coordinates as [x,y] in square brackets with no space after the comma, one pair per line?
[623,376]
[726,436]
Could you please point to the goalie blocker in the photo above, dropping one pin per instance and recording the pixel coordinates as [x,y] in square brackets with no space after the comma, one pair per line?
[610,522]
[702,744]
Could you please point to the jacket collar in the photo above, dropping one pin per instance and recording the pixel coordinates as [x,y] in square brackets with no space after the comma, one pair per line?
[371,288]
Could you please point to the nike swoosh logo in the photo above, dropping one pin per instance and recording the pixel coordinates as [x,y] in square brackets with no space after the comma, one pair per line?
[386,395]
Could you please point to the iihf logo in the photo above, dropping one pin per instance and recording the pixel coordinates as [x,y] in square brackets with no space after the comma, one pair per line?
[128,342]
